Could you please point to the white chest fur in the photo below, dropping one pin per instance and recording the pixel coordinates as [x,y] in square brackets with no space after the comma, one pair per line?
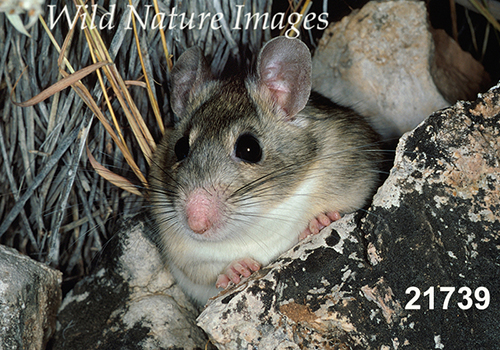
[263,237]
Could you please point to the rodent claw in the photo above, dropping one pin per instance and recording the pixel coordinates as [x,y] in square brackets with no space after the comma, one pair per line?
[222,281]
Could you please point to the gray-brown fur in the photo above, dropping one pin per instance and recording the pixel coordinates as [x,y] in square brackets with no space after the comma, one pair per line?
[325,150]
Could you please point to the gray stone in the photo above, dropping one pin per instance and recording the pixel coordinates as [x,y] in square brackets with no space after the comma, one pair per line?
[434,223]
[30,295]
[382,61]
[131,302]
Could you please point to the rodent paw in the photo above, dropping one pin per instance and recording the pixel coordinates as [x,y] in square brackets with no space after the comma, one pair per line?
[319,222]
[238,268]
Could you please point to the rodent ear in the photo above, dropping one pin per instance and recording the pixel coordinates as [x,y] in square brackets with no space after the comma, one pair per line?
[190,72]
[284,67]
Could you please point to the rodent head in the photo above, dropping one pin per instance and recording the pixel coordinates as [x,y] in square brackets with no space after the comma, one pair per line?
[238,145]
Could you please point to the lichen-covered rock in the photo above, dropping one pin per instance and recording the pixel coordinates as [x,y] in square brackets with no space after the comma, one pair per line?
[30,295]
[384,62]
[418,270]
[131,302]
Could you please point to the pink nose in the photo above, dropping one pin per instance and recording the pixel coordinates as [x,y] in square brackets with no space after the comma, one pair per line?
[202,210]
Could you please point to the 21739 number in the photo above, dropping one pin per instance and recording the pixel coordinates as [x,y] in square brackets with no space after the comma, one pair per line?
[480,299]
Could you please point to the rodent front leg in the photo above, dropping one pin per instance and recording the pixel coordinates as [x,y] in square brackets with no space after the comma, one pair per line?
[243,267]
[319,222]
[246,266]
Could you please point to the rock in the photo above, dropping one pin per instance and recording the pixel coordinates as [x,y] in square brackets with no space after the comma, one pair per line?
[131,302]
[30,295]
[457,75]
[414,271]
[381,61]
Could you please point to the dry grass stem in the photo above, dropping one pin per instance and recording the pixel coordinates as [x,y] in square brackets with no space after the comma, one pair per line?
[58,201]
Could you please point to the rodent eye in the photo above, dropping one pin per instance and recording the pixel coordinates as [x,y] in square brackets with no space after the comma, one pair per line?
[181,148]
[248,148]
